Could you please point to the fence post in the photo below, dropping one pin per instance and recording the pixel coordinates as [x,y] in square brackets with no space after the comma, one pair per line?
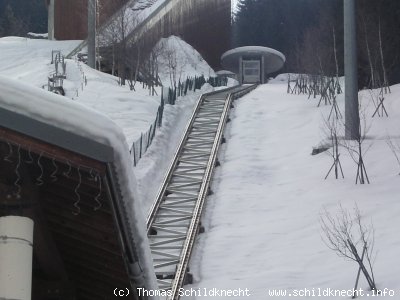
[141,142]
[134,155]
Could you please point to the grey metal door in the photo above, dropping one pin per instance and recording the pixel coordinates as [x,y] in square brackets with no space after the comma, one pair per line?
[251,71]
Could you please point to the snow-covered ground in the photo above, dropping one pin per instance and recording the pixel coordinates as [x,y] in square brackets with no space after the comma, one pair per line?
[29,61]
[263,221]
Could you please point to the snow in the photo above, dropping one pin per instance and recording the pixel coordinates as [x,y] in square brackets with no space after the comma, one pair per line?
[112,114]
[262,224]
[178,60]
[56,111]
[38,35]
[273,59]
[253,50]
[29,61]
[224,72]
[132,111]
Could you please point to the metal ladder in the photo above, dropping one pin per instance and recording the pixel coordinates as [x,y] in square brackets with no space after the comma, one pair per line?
[174,219]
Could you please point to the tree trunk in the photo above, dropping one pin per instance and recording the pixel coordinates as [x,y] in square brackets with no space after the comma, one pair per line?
[385,80]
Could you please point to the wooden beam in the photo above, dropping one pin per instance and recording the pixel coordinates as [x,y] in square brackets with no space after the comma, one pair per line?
[50,151]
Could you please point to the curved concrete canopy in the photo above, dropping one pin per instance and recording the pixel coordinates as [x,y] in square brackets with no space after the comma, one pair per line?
[273,59]
[224,72]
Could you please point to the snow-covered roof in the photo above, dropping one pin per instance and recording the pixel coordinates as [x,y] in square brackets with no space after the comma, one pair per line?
[224,72]
[68,125]
[273,59]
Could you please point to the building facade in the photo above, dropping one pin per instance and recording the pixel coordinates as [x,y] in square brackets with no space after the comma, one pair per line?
[204,24]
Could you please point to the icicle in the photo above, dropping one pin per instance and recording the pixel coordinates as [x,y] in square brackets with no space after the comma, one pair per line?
[66,174]
[39,180]
[76,204]
[30,161]
[17,181]
[97,198]
[92,175]
[53,175]
[7,158]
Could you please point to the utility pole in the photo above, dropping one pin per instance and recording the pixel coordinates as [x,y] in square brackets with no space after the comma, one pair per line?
[91,34]
[50,20]
[352,117]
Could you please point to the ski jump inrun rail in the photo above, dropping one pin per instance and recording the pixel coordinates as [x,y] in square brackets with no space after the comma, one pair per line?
[174,219]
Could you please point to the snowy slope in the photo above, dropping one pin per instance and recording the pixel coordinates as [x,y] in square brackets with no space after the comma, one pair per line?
[30,61]
[178,60]
[262,222]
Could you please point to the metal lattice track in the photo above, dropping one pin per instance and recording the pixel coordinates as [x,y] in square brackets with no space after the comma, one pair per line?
[174,218]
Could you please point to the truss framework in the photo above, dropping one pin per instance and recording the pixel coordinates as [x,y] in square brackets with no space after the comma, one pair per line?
[174,219]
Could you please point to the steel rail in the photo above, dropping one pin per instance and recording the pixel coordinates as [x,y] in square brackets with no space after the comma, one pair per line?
[174,218]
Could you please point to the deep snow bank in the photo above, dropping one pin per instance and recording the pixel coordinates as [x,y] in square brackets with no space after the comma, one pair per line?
[177,60]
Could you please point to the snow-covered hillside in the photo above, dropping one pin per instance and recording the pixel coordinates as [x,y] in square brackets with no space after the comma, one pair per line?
[29,61]
[177,60]
[263,221]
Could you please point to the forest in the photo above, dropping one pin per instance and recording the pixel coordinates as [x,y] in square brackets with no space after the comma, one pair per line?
[310,34]
[22,16]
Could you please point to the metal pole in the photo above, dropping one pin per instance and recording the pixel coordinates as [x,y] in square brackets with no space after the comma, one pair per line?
[92,33]
[352,117]
[16,240]
[241,70]
[50,20]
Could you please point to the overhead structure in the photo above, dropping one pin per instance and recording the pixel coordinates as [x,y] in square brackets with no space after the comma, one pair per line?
[252,64]
[73,180]
[204,24]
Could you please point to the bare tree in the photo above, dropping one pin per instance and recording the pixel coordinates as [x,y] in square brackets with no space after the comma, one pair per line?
[378,98]
[375,39]
[395,148]
[332,133]
[347,235]
[367,35]
[385,83]
[149,69]
[114,39]
[357,150]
